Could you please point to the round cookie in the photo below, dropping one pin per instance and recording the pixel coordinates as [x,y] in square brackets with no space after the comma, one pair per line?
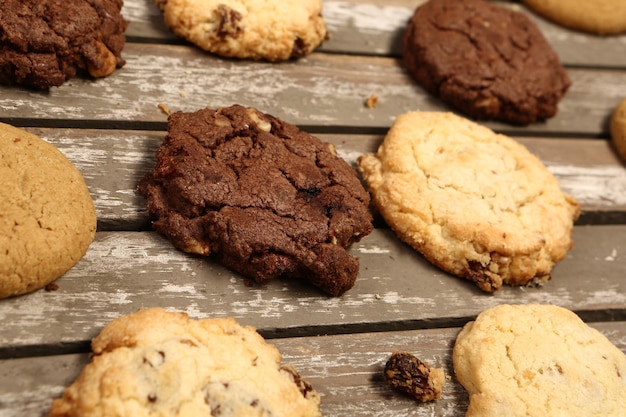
[47,217]
[599,17]
[159,363]
[487,61]
[265,198]
[538,360]
[475,203]
[618,129]
[46,42]
[273,30]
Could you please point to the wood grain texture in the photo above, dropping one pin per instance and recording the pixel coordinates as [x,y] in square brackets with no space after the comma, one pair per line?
[110,129]
[319,90]
[587,169]
[345,369]
[396,288]
[369,28]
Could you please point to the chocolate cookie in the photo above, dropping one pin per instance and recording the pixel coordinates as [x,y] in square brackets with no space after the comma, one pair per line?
[44,43]
[266,198]
[487,61]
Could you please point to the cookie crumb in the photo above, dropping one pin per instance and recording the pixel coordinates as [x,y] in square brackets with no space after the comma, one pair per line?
[166,110]
[409,375]
[51,287]
[371,101]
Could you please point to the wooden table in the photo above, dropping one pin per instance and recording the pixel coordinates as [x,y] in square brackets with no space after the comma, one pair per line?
[110,129]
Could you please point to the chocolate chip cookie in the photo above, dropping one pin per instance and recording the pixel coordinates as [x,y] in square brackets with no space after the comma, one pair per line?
[475,203]
[160,363]
[44,43]
[272,30]
[267,199]
[484,60]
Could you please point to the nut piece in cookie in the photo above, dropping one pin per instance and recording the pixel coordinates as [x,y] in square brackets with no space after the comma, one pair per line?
[475,203]
[267,199]
[599,17]
[487,61]
[409,375]
[538,360]
[159,363]
[47,216]
[45,42]
[618,129]
[272,30]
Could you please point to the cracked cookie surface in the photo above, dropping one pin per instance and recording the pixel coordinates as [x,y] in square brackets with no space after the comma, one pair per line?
[273,30]
[47,216]
[538,360]
[156,363]
[487,61]
[475,203]
[45,42]
[266,198]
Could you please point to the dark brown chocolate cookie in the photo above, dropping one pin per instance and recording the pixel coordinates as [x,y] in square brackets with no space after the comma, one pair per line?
[266,198]
[44,43]
[487,61]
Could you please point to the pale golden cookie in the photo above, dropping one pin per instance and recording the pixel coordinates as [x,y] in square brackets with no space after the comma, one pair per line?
[155,363]
[475,203]
[618,129]
[47,217]
[538,360]
[273,30]
[600,17]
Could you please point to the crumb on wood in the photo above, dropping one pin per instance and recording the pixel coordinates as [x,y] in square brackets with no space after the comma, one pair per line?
[51,287]
[371,101]
[164,108]
[407,374]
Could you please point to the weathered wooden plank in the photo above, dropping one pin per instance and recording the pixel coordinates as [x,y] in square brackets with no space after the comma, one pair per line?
[114,161]
[123,271]
[370,28]
[320,90]
[345,369]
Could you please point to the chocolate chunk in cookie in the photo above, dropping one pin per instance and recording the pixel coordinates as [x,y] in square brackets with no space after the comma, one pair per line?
[266,198]
[487,61]
[44,43]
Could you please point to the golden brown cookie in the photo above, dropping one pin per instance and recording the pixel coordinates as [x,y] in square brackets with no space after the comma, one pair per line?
[600,17]
[538,360]
[475,203]
[618,129]
[273,30]
[47,217]
[159,363]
